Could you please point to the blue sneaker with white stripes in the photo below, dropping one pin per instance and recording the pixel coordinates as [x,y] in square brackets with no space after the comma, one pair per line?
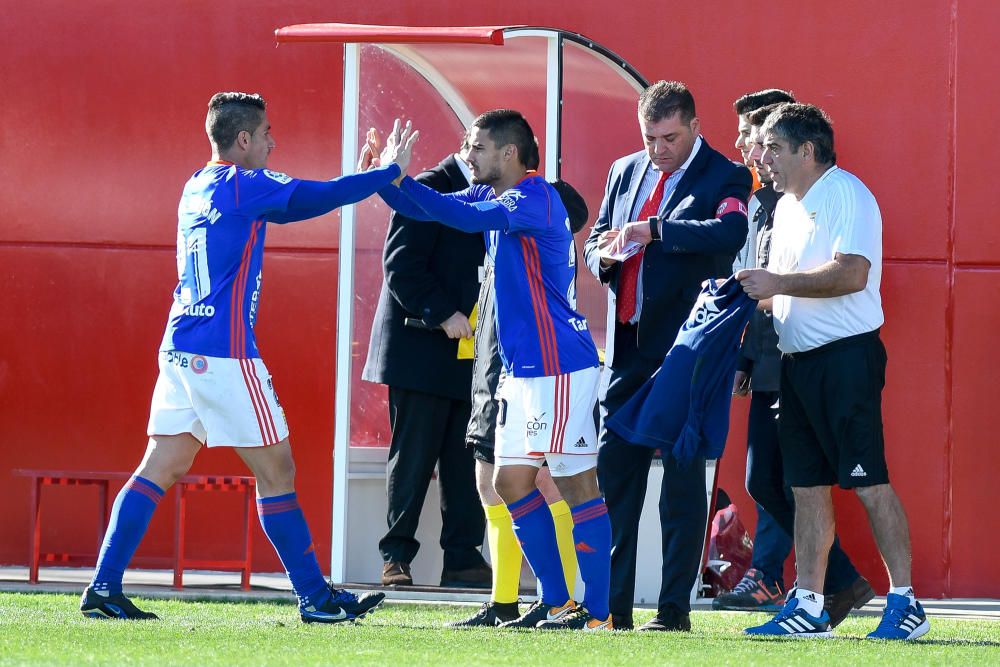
[901,620]
[792,621]
[342,606]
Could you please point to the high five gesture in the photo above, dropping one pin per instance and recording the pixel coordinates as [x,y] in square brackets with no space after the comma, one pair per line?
[398,148]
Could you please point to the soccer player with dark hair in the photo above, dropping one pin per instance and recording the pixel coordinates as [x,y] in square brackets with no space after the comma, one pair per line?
[213,389]
[550,363]
[822,285]
[505,554]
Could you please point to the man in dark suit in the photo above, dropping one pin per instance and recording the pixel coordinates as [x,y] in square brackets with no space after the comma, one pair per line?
[431,285]
[689,202]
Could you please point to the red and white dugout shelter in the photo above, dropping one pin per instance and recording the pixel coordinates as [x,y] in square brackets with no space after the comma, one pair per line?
[580,100]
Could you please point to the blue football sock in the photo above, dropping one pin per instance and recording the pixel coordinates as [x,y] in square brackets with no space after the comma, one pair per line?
[592,534]
[285,525]
[130,517]
[536,532]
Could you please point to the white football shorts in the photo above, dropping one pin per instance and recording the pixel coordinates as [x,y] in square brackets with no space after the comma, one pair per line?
[221,402]
[548,418]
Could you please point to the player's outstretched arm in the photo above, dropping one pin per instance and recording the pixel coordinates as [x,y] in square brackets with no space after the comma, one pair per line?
[451,209]
[395,199]
[454,209]
[314,198]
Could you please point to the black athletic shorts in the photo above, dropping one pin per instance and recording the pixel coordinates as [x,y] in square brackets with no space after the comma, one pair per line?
[830,416]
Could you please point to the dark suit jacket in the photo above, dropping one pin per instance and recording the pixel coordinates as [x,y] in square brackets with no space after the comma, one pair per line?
[430,272]
[696,244]
[759,354]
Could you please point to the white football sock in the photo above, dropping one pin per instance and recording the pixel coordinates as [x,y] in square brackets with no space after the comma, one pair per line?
[906,591]
[810,601]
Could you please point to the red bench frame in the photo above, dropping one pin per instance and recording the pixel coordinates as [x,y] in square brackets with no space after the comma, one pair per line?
[102,480]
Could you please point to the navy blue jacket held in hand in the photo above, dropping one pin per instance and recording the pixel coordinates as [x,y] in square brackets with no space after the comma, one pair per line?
[684,407]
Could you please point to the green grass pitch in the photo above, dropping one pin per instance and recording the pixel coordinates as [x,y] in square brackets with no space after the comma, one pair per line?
[48,629]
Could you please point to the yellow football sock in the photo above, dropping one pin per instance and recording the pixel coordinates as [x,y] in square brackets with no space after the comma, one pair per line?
[505,553]
[563,518]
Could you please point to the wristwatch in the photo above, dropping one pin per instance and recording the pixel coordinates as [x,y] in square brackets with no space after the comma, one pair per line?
[654,227]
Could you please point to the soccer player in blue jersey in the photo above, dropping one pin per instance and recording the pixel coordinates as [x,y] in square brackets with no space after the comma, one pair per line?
[549,386]
[213,389]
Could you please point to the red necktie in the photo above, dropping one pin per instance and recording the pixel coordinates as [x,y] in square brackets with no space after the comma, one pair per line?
[628,279]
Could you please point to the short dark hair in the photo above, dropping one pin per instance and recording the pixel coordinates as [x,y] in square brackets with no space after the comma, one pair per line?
[758,116]
[762,98]
[799,123]
[507,126]
[534,160]
[231,113]
[576,206]
[665,98]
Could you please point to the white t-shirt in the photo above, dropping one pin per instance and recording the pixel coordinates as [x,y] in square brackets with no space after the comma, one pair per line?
[837,215]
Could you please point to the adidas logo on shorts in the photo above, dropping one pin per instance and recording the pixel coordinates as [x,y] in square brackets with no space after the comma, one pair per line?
[858,471]
[580,443]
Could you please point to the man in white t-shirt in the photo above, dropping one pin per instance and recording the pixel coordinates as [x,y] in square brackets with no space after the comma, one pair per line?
[822,285]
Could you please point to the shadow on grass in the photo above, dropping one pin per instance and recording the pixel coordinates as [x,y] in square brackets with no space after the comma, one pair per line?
[842,638]
[937,642]
[698,637]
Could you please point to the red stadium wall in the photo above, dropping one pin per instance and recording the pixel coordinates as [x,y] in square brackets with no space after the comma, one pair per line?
[104,103]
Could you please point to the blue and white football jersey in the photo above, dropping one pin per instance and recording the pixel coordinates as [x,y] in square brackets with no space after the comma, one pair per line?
[221,223]
[539,330]
[684,407]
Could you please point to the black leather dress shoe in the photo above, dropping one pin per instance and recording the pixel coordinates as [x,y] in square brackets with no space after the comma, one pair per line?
[480,576]
[668,620]
[840,604]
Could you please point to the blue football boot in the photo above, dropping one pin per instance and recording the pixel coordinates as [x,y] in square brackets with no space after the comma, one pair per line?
[342,605]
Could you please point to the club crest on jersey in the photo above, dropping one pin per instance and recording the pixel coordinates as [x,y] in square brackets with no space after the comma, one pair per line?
[510,198]
[277,176]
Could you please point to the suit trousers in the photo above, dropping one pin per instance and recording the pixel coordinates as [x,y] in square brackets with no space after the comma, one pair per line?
[623,472]
[429,430]
[766,485]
